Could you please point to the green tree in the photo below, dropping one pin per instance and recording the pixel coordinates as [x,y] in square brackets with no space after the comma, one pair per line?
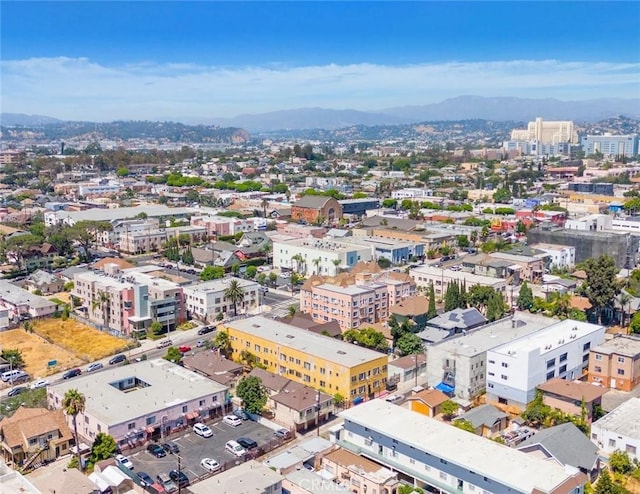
[634,325]
[601,283]
[187,257]
[525,297]
[173,355]
[368,338]
[449,409]
[252,393]
[14,357]
[451,297]
[399,328]
[431,311]
[273,278]
[409,343]
[222,343]
[19,246]
[86,232]
[496,307]
[409,489]
[211,273]
[251,272]
[235,294]
[605,485]
[619,462]
[73,404]
[463,241]
[103,448]
[465,425]
[338,400]
[122,171]
[156,328]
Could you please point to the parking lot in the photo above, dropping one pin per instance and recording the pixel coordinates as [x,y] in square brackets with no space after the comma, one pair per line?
[194,448]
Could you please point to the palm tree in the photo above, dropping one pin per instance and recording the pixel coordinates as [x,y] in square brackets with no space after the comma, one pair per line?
[235,293]
[300,263]
[73,404]
[623,299]
[316,263]
[103,300]
[265,203]
[336,263]
[291,311]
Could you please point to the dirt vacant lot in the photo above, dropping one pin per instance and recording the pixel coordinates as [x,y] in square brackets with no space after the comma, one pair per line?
[37,352]
[85,342]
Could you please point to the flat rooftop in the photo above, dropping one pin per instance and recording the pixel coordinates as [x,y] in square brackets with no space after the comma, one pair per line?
[323,244]
[622,420]
[471,279]
[100,214]
[345,290]
[549,338]
[247,478]
[168,385]
[285,335]
[629,346]
[504,465]
[495,334]
[219,285]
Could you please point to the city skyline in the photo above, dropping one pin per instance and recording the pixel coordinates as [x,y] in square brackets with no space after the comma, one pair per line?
[201,60]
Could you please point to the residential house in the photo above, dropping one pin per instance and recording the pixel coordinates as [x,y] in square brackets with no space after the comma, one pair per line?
[576,398]
[300,408]
[434,455]
[67,480]
[427,401]
[113,403]
[516,368]
[413,308]
[205,300]
[38,257]
[567,445]
[615,363]
[531,267]
[22,304]
[46,283]
[407,369]
[303,456]
[316,209]
[305,321]
[315,360]
[250,477]
[214,366]
[485,265]
[33,435]
[561,256]
[619,429]
[457,321]
[487,420]
[359,474]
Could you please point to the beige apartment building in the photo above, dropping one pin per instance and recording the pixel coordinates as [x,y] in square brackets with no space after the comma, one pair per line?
[615,363]
[550,132]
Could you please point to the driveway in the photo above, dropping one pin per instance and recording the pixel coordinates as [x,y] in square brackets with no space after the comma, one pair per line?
[194,448]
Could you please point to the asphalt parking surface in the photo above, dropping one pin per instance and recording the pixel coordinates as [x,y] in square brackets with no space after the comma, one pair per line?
[194,448]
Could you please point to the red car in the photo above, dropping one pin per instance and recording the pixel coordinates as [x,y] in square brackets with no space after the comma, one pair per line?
[184,349]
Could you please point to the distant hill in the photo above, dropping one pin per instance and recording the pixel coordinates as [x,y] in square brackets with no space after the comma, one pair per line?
[23,119]
[459,108]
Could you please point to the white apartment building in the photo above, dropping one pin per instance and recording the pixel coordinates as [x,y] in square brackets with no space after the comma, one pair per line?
[323,183]
[458,365]
[204,301]
[424,276]
[561,256]
[121,227]
[445,459]
[619,429]
[515,369]
[549,132]
[140,241]
[319,256]
[413,193]
[590,223]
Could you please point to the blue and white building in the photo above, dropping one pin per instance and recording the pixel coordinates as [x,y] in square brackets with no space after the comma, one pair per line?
[610,145]
[516,368]
[442,458]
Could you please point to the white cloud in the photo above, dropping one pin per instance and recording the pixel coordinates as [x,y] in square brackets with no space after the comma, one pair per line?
[78,88]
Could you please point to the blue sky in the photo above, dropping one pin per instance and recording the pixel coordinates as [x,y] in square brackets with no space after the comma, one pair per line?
[198,60]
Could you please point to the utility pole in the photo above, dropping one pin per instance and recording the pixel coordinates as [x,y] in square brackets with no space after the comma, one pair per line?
[318,413]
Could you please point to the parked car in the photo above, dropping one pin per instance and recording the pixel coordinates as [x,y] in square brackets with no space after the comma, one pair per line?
[241,414]
[40,383]
[165,481]
[117,359]
[394,398]
[171,448]
[210,464]
[145,479]
[164,344]
[200,343]
[232,420]
[94,367]
[71,373]
[156,450]
[202,430]
[206,329]
[16,391]
[179,477]
[184,349]
[235,449]
[283,433]
[247,443]
[124,461]
[264,289]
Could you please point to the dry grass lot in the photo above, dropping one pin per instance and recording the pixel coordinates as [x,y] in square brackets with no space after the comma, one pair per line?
[36,352]
[85,342]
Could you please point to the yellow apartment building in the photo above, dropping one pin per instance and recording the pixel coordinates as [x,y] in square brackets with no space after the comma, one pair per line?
[319,361]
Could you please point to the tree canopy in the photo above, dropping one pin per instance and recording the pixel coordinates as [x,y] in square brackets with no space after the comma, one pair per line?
[252,393]
[367,337]
[601,283]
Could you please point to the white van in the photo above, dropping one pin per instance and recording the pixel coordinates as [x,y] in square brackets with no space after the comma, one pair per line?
[164,344]
[14,375]
[235,449]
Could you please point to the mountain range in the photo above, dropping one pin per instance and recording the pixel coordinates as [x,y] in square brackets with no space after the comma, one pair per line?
[458,108]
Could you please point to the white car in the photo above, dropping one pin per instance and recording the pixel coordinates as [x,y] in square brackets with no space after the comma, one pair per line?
[94,367]
[124,461]
[202,430]
[40,383]
[235,449]
[232,420]
[210,464]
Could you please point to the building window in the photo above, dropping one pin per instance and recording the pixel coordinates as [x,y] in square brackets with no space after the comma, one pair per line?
[443,476]
[184,409]
[504,364]
[551,363]
[131,425]
[597,368]
[201,403]
[612,443]
[151,420]
[563,357]
[598,357]
[621,372]
[550,375]
[586,346]
[631,449]
[503,377]
[563,368]
[215,398]
[621,360]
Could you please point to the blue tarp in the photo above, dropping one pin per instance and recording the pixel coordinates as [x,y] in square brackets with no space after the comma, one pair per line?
[445,388]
